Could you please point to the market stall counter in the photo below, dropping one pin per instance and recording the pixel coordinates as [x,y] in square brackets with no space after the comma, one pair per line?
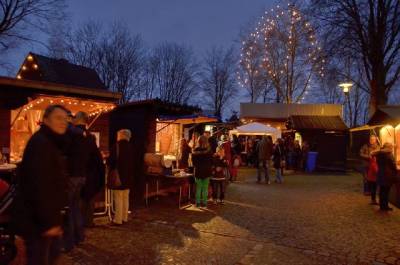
[159,128]
[162,179]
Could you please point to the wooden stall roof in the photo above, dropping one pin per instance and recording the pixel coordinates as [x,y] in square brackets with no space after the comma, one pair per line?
[386,115]
[162,107]
[187,119]
[281,111]
[58,71]
[327,123]
[14,92]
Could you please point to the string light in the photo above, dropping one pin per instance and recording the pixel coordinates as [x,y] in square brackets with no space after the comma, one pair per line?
[258,47]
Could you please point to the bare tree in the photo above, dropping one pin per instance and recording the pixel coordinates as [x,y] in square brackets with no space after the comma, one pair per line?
[218,78]
[116,55]
[290,55]
[122,57]
[18,18]
[368,32]
[173,72]
[250,74]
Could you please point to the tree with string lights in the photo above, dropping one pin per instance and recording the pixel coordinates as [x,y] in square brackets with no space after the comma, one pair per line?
[282,49]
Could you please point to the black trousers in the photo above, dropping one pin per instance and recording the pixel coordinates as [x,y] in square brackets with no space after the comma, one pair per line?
[384,197]
[372,188]
[43,250]
[88,211]
[218,185]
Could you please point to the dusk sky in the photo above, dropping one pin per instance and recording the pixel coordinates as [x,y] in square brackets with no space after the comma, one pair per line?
[198,23]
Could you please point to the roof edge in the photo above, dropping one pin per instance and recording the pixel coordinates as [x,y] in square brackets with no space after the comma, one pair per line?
[4,80]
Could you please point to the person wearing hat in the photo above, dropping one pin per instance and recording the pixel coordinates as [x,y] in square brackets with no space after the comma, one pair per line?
[387,174]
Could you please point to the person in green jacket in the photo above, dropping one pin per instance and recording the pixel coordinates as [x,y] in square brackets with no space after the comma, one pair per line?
[202,159]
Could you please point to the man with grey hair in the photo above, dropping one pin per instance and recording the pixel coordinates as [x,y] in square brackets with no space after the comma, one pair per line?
[121,159]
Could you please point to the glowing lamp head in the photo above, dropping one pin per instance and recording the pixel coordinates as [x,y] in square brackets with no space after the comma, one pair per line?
[35,66]
[346,87]
[30,58]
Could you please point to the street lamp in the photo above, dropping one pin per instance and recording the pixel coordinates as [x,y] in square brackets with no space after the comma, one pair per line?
[346,90]
[346,87]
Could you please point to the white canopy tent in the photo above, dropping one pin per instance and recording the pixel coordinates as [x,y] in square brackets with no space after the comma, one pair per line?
[255,128]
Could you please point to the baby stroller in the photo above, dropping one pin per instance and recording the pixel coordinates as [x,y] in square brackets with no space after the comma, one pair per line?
[8,249]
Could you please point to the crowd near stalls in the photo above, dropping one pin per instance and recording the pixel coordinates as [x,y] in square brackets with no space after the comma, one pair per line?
[162,133]
[316,128]
[384,125]
[54,141]
[69,152]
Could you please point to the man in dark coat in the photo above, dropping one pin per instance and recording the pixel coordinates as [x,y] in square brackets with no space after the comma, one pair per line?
[91,166]
[265,149]
[121,159]
[78,157]
[42,189]
[279,159]
[386,176]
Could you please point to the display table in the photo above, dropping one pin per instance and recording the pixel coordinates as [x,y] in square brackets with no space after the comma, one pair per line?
[7,172]
[180,179]
[7,167]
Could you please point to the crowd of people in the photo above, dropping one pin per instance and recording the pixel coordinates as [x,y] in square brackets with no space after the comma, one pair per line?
[380,171]
[295,154]
[61,173]
[63,170]
[216,160]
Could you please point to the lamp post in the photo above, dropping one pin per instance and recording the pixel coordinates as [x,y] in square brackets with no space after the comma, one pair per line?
[346,90]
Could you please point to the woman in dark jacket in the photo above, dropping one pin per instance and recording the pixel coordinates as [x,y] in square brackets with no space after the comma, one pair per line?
[184,154]
[42,193]
[386,176]
[279,159]
[203,162]
[121,159]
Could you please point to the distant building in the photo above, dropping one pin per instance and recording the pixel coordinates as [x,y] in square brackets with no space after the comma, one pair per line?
[277,114]
[320,125]
[59,71]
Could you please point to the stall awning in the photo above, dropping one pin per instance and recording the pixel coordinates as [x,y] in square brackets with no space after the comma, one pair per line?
[187,119]
[365,128]
[327,123]
[256,128]
[388,114]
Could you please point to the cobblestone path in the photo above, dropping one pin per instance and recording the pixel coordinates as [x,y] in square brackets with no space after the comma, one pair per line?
[310,219]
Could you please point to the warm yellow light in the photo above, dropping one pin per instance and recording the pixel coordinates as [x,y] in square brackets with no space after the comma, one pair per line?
[30,58]
[346,87]
[19,76]
[23,67]
[35,66]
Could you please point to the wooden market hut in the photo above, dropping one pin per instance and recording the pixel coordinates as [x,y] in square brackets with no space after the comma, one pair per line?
[327,135]
[277,114]
[385,124]
[42,81]
[157,127]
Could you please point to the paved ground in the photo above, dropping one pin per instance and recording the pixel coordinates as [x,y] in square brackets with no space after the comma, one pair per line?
[317,219]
